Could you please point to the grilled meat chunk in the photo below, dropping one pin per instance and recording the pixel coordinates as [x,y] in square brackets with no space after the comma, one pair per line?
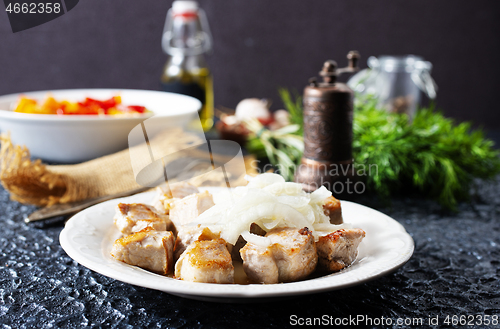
[183,189]
[152,250]
[133,217]
[167,194]
[259,264]
[206,261]
[338,249]
[333,210]
[240,243]
[293,253]
[185,210]
[186,235]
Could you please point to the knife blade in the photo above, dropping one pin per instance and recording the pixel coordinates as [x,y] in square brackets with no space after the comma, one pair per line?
[74,207]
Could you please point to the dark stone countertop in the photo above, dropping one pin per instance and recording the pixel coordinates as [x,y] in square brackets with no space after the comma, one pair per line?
[454,271]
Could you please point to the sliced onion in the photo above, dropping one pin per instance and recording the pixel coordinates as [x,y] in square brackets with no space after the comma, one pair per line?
[270,202]
[213,215]
[320,195]
[255,239]
[264,180]
[329,228]
[319,214]
[308,214]
[265,212]
[252,198]
[249,178]
[297,202]
[285,188]
[272,224]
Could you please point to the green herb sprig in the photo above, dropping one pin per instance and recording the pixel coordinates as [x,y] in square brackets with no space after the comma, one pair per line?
[433,154]
[283,147]
[294,107]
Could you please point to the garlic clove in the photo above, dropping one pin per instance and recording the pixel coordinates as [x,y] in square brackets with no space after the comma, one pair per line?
[253,108]
[282,117]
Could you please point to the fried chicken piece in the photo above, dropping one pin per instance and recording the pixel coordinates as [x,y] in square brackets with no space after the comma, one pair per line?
[149,249]
[133,217]
[186,235]
[293,253]
[185,210]
[338,249]
[167,194]
[333,210]
[206,261]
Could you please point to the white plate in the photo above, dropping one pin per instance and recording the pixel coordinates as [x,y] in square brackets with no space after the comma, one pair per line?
[76,138]
[88,237]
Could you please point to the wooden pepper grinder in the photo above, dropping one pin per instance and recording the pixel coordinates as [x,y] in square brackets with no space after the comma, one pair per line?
[328,110]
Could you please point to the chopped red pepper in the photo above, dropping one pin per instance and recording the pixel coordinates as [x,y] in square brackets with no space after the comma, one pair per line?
[89,106]
[137,108]
[266,122]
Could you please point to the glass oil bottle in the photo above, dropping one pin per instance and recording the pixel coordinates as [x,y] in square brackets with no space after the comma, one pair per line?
[186,38]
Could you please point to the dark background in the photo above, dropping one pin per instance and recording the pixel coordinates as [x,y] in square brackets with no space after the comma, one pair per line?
[261,45]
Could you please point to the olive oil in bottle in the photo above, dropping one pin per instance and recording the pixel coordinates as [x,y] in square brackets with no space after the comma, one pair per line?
[186,38]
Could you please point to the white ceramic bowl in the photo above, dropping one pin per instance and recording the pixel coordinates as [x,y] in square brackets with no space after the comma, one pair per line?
[76,138]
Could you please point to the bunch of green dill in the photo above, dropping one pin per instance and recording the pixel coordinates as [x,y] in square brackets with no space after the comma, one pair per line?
[432,154]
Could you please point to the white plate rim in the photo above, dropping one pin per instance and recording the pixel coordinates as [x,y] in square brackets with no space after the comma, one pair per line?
[354,275]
